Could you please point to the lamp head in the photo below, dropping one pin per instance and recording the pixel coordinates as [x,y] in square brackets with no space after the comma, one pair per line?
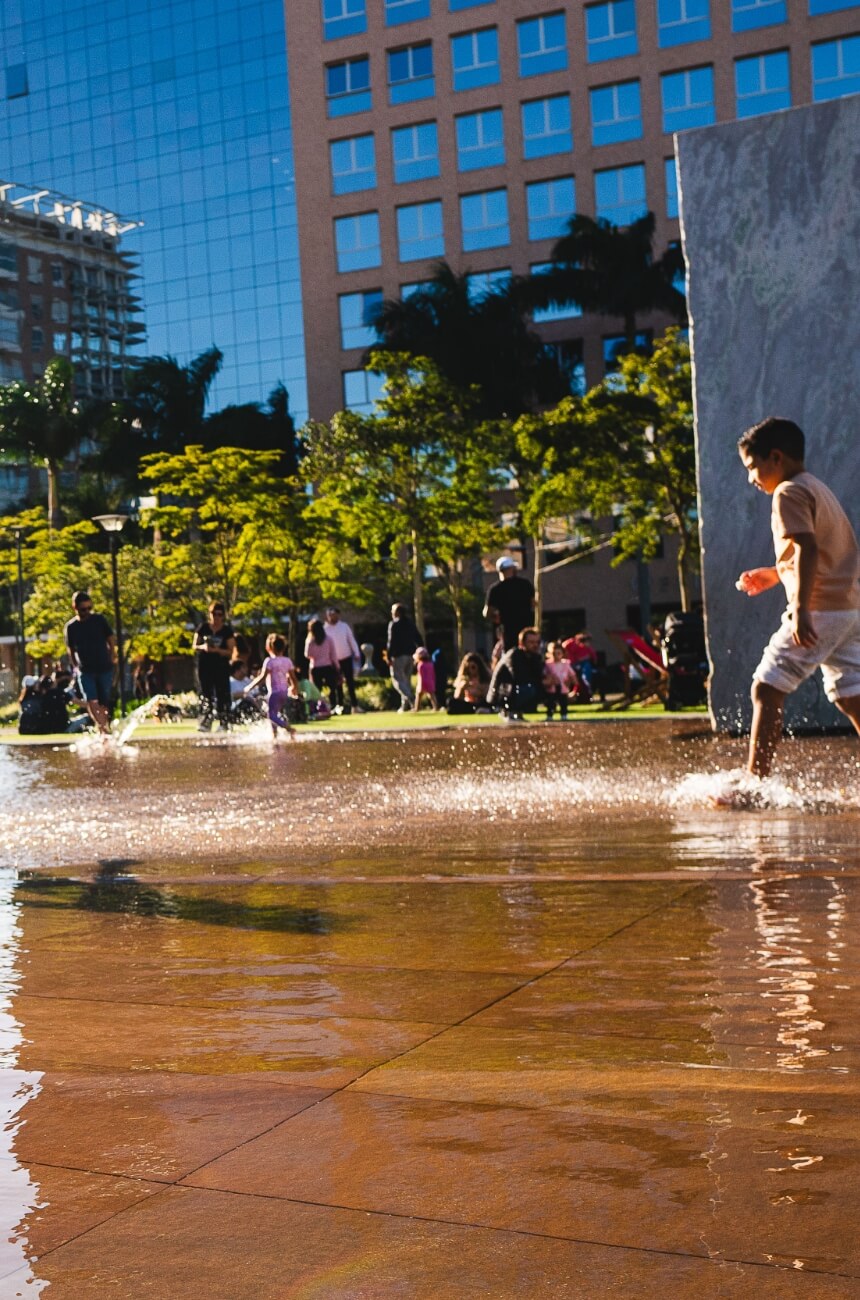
[111,523]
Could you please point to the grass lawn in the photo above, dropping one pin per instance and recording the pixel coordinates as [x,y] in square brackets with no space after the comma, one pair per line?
[388,721]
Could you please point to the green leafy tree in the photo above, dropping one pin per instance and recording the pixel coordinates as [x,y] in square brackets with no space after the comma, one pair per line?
[635,459]
[44,421]
[611,271]
[412,480]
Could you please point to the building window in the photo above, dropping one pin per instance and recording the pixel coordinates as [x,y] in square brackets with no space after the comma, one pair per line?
[456,5]
[561,311]
[353,164]
[16,81]
[680,22]
[343,18]
[619,194]
[10,330]
[347,87]
[59,311]
[356,241]
[542,44]
[547,127]
[475,59]
[761,84]
[35,270]
[61,343]
[56,273]
[419,231]
[361,389]
[616,346]
[410,74]
[481,284]
[616,113]
[415,152]
[688,98]
[37,307]
[484,220]
[671,171]
[831,6]
[568,358]
[480,140]
[358,313]
[405,11]
[549,206]
[8,256]
[836,68]
[610,30]
[749,14]
[37,338]
[409,290]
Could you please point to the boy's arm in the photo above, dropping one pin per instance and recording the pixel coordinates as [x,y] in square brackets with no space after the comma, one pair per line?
[806,549]
[755,581]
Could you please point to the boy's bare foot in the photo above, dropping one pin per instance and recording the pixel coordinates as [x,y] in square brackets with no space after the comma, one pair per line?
[738,792]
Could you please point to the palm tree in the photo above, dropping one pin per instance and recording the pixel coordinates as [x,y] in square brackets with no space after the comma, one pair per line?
[46,422]
[167,401]
[484,341]
[257,428]
[611,271]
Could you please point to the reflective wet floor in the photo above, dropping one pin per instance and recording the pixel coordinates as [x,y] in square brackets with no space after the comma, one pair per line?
[503,1015]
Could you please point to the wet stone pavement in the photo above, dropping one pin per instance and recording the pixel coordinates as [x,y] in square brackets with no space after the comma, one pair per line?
[512,1015]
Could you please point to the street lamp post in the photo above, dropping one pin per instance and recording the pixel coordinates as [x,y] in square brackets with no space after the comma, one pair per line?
[22,643]
[113,526]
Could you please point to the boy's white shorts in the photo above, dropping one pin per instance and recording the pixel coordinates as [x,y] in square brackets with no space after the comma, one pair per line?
[785,666]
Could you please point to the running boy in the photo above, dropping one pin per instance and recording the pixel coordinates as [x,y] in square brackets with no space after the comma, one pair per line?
[818,563]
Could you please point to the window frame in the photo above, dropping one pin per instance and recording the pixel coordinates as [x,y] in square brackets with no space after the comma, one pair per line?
[409,7]
[356,172]
[351,20]
[739,7]
[426,206]
[357,248]
[481,71]
[615,129]
[351,95]
[547,135]
[615,45]
[483,146]
[412,128]
[684,30]
[761,60]
[619,172]
[674,78]
[369,335]
[469,245]
[838,43]
[422,86]
[544,52]
[532,188]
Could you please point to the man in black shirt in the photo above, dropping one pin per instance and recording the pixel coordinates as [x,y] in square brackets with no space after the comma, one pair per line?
[90,642]
[402,642]
[510,602]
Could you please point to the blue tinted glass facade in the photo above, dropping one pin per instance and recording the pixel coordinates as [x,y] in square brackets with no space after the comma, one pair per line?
[176,114]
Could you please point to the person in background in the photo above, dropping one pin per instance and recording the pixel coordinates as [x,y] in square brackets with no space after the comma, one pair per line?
[90,642]
[426,685]
[510,602]
[561,681]
[346,648]
[214,645]
[470,686]
[402,642]
[440,668]
[279,674]
[582,657]
[520,676]
[321,654]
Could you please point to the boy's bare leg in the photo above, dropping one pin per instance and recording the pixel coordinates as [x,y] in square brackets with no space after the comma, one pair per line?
[851,709]
[99,715]
[766,727]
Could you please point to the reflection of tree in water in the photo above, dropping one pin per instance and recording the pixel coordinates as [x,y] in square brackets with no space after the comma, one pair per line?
[112,889]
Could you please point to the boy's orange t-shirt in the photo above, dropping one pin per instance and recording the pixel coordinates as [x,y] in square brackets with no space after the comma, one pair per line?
[804,504]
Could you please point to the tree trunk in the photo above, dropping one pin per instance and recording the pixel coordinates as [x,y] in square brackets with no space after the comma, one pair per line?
[417,585]
[537,543]
[293,633]
[458,625]
[55,515]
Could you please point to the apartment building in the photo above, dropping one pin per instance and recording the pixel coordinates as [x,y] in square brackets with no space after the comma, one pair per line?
[472,130]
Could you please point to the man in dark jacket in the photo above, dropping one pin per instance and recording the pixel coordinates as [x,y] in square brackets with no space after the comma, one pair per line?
[403,640]
[90,642]
[517,684]
[510,602]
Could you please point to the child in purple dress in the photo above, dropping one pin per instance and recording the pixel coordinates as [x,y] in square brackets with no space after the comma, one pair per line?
[281,681]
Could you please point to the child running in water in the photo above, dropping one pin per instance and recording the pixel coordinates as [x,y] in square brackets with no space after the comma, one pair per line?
[560,680]
[426,678]
[281,681]
[818,563]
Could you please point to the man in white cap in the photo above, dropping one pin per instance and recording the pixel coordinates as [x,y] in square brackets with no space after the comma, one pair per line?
[510,602]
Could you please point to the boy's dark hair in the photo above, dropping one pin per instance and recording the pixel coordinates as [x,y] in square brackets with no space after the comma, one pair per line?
[80,598]
[774,434]
[279,645]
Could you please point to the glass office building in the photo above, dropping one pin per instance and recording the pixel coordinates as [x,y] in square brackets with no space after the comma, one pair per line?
[174,112]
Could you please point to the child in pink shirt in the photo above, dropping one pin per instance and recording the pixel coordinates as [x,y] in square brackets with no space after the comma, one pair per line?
[281,681]
[426,678]
[560,680]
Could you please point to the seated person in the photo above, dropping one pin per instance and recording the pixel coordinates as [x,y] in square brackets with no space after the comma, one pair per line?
[470,686]
[518,682]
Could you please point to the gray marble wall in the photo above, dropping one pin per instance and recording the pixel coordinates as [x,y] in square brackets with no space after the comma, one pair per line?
[770,217]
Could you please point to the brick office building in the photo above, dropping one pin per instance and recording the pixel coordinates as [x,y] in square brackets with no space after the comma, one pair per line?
[471,130]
